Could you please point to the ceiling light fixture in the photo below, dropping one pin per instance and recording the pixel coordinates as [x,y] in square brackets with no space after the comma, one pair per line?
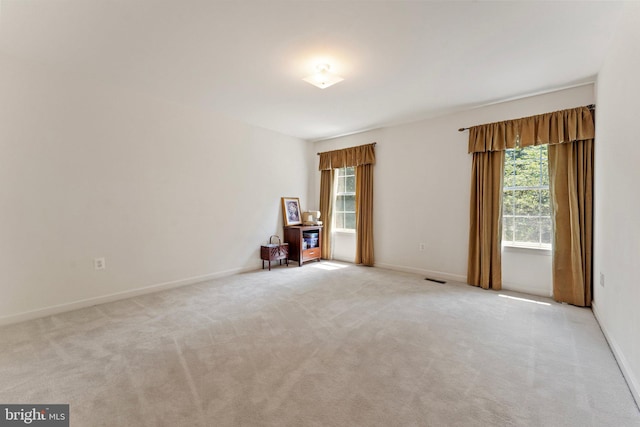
[323,78]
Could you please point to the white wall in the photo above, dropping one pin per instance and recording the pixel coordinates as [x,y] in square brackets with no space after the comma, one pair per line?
[527,270]
[166,194]
[421,192]
[617,206]
[344,246]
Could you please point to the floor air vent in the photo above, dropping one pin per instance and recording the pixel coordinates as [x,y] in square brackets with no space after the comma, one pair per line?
[435,280]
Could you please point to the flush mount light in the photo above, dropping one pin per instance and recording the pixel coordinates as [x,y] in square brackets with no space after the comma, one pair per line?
[323,78]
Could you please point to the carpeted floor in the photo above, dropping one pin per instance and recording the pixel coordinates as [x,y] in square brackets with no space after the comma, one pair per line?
[327,344]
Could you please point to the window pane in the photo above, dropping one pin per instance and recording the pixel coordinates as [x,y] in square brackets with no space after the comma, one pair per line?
[350,221]
[507,229]
[536,159]
[546,230]
[340,185]
[527,230]
[340,204]
[351,184]
[349,203]
[544,164]
[350,170]
[520,165]
[509,168]
[527,202]
[508,203]
[545,203]
[339,220]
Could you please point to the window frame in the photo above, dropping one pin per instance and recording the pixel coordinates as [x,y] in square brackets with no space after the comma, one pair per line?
[512,243]
[337,212]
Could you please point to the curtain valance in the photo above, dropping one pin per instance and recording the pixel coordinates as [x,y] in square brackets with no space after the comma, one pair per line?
[575,124]
[353,156]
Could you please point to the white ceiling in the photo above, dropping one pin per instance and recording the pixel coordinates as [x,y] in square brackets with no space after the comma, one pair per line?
[401,61]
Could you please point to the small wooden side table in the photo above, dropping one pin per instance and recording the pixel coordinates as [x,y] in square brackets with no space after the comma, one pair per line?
[274,252]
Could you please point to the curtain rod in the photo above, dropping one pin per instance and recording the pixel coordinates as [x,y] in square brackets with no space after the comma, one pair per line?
[373,143]
[590,107]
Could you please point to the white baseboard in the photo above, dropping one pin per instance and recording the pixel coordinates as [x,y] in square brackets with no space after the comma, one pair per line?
[430,273]
[75,305]
[632,382]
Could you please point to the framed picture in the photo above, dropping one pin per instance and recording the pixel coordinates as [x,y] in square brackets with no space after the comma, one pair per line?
[291,211]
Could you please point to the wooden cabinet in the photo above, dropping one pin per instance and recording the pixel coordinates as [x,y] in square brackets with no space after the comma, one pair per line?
[294,236]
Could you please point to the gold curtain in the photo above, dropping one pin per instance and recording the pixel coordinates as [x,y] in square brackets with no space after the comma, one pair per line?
[363,158]
[559,127]
[326,211]
[493,137]
[570,135]
[364,214]
[485,230]
[353,156]
[571,187]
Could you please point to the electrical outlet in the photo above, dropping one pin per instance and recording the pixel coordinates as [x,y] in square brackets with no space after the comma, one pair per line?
[602,279]
[421,247]
[99,264]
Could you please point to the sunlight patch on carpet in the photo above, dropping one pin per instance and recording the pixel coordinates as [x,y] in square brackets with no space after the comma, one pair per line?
[329,266]
[524,299]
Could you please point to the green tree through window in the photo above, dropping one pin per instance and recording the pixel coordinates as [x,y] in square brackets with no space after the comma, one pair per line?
[345,206]
[526,209]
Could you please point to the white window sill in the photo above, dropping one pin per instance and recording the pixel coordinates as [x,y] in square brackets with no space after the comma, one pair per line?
[344,231]
[534,250]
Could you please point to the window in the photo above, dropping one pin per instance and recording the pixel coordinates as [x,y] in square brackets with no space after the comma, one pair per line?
[526,209]
[345,205]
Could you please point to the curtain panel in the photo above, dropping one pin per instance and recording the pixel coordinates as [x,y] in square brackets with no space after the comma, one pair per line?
[484,267]
[326,212]
[364,214]
[571,185]
[362,157]
[570,135]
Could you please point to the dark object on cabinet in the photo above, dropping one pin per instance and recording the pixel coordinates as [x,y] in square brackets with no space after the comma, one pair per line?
[274,252]
[298,249]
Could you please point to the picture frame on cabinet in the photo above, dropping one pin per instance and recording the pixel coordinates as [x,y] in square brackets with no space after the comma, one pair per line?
[291,211]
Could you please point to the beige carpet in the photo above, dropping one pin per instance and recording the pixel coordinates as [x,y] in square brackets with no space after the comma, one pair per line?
[320,346]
